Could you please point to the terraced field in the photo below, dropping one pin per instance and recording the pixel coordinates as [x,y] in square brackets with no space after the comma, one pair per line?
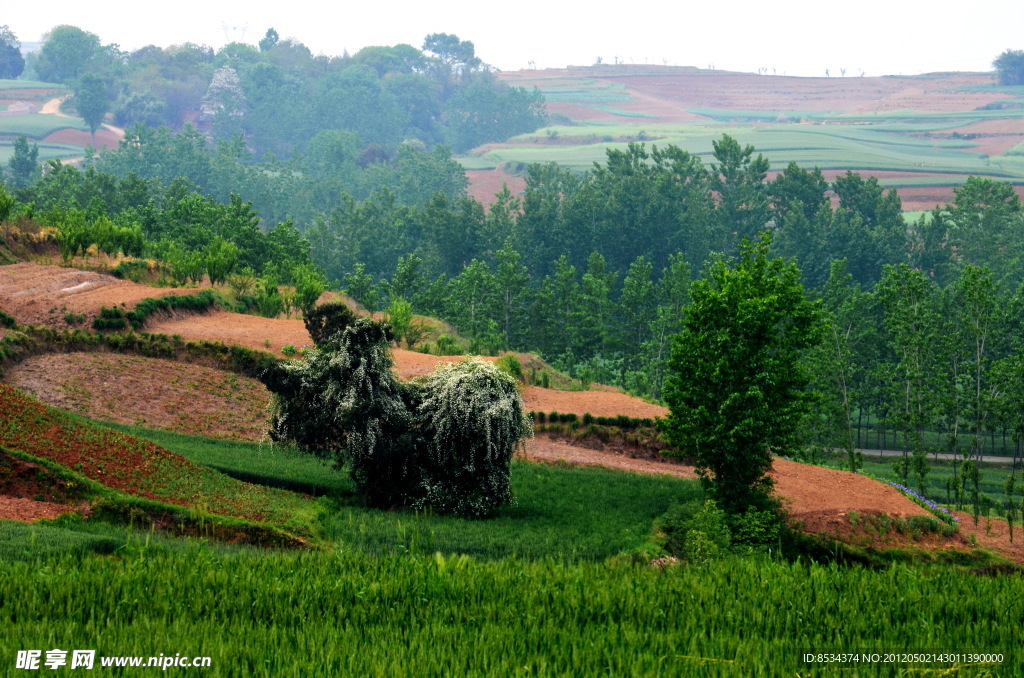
[922,135]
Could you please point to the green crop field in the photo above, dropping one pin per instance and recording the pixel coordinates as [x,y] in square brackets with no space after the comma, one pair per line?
[549,587]
[6,85]
[915,144]
[37,125]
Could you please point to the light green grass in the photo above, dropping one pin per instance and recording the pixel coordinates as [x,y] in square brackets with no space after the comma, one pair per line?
[620,112]
[7,84]
[37,125]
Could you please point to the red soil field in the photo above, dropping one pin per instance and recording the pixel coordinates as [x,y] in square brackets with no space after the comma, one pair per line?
[104,138]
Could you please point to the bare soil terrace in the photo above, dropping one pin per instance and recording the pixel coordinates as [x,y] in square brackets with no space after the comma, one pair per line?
[42,295]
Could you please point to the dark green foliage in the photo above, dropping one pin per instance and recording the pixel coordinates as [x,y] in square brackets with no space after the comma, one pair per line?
[445,442]
[91,100]
[196,303]
[1010,67]
[131,269]
[327,320]
[11,61]
[117,319]
[110,318]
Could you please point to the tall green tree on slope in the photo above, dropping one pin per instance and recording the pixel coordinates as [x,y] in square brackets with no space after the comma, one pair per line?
[737,390]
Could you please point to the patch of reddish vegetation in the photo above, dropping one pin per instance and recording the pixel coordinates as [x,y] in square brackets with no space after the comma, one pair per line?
[113,459]
[485,184]
[42,295]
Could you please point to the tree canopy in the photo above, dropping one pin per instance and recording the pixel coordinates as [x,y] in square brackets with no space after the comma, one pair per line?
[12,63]
[1010,67]
[737,390]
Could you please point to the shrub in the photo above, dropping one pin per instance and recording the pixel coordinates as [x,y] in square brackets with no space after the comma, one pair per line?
[446,345]
[445,441]
[328,319]
[510,365]
[756,529]
[472,418]
[697,531]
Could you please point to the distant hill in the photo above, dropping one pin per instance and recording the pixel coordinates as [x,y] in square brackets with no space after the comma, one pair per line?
[920,134]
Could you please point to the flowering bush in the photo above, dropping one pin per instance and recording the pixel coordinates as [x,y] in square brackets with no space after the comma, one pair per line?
[471,417]
[445,442]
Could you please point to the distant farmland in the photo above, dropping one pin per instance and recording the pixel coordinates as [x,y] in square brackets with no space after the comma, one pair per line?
[923,135]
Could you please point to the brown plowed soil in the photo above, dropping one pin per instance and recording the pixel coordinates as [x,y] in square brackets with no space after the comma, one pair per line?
[690,87]
[485,184]
[149,392]
[105,138]
[29,510]
[41,295]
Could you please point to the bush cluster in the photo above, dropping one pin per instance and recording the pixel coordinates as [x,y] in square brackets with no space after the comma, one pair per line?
[702,531]
[621,421]
[114,318]
[444,442]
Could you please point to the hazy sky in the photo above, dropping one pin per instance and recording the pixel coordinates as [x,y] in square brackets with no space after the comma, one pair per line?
[796,37]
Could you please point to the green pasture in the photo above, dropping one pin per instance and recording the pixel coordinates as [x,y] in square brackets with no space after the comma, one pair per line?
[560,512]
[7,84]
[37,125]
[581,90]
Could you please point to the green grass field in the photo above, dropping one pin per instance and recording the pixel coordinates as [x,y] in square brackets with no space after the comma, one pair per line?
[542,589]
[7,85]
[37,126]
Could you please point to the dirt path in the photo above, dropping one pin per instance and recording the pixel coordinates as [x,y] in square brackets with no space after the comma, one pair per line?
[52,107]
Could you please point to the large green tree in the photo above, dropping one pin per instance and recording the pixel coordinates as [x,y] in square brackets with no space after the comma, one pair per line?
[1010,67]
[737,390]
[66,53]
[91,101]
[11,61]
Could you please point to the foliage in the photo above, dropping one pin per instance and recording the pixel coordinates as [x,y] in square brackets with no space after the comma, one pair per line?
[1010,67]
[91,101]
[472,418]
[445,443]
[309,285]
[327,320]
[737,389]
[24,163]
[11,61]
